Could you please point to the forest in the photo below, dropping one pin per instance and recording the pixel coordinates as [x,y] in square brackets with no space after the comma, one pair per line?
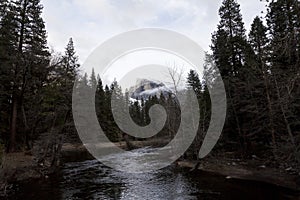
[260,68]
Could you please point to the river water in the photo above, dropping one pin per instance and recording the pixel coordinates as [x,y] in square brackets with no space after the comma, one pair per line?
[90,179]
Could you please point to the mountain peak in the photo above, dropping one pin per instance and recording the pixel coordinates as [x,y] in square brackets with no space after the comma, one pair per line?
[145,88]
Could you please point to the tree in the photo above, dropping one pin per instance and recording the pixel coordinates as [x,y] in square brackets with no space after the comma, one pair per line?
[6,50]
[3,7]
[176,76]
[259,42]
[100,99]
[230,50]
[93,80]
[194,85]
[23,36]
[194,82]
[228,41]
[283,21]
[69,65]
[66,72]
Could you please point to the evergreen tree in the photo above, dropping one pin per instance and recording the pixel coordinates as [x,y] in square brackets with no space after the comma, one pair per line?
[118,98]
[259,42]
[101,104]
[23,36]
[93,80]
[3,7]
[84,80]
[229,40]
[69,65]
[230,50]
[66,72]
[6,52]
[143,113]
[283,21]
[136,113]
[100,95]
[194,82]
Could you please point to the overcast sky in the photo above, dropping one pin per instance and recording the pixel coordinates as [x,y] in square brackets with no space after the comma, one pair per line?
[91,22]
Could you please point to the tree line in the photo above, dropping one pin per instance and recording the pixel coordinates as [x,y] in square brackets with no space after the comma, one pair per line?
[260,69]
[261,74]
[36,84]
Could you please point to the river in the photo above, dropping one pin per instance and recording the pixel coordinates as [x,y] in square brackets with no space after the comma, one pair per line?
[89,179]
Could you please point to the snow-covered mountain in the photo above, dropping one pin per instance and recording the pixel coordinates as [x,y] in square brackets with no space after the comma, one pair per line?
[145,88]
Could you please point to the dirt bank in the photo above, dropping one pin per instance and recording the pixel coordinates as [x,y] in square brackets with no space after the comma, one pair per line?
[78,152]
[246,170]
[17,167]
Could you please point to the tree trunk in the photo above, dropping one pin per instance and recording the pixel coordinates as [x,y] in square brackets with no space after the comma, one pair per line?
[270,109]
[287,124]
[26,129]
[271,115]
[13,126]
[128,143]
[14,114]
[241,135]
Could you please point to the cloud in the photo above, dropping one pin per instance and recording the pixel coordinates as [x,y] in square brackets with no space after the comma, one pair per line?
[90,22]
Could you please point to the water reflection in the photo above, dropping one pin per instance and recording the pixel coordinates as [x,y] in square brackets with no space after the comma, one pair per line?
[92,180]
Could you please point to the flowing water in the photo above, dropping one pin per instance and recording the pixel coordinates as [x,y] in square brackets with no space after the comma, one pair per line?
[90,179]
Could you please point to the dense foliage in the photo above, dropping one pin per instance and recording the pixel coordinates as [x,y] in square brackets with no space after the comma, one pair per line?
[261,73]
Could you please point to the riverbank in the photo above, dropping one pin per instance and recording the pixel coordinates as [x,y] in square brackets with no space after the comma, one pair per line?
[20,167]
[23,166]
[251,169]
[77,152]
[245,170]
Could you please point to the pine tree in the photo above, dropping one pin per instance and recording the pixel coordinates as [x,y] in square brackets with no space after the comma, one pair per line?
[100,91]
[259,42]
[194,82]
[118,99]
[6,49]
[23,37]
[229,40]
[3,7]
[69,64]
[283,21]
[258,39]
[66,72]
[101,106]
[136,112]
[93,80]
[230,50]
[84,79]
